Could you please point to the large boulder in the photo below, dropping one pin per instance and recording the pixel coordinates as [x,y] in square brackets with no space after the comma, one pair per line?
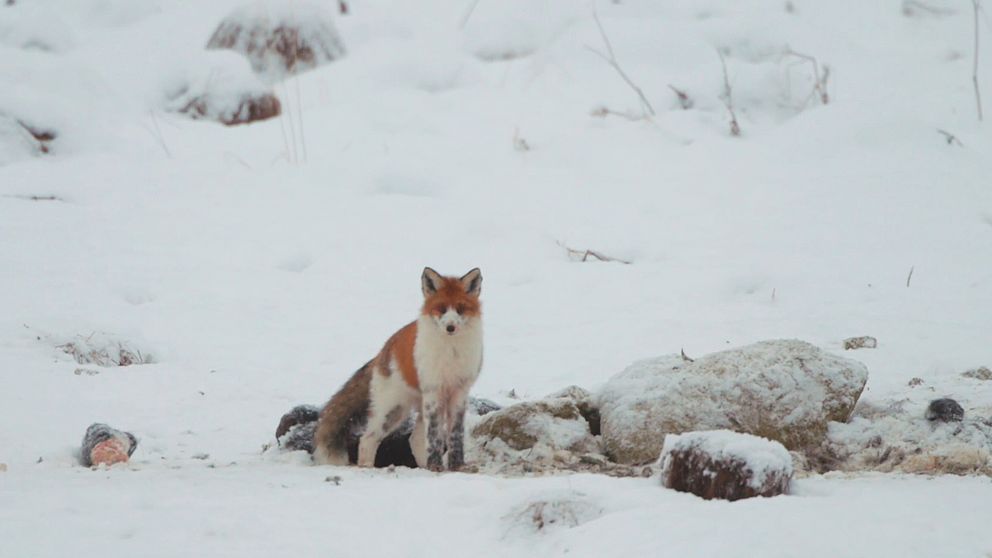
[784,390]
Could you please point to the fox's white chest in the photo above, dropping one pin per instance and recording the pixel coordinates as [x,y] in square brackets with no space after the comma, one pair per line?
[443,359]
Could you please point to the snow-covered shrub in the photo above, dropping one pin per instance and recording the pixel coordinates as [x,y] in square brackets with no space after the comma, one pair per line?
[103,350]
[725,465]
[281,39]
[784,390]
[554,512]
[224,89]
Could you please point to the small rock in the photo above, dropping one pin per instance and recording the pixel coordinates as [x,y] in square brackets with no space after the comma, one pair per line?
[980,373]
[915,382]
[864,342]
[945,410]
[201,456]
[334,479]
[482,406]
[103,445]
[725,465]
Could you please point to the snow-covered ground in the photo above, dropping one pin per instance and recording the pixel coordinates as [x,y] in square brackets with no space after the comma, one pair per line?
[260,265]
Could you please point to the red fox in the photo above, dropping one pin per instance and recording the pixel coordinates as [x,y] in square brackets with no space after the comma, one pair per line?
[428,366]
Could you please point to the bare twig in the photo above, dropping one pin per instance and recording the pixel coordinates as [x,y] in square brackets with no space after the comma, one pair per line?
[728,101]
[974,66]
[819,78]
[584,255]
[611,59]
[159,136]
[909,8]
[910,276]
[951,138]
[603,112]
[468,14]
[684,100]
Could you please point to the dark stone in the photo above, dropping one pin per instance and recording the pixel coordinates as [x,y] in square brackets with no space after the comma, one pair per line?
[296,430]
[945,410]
[481,406]
[300,414]
[97,433]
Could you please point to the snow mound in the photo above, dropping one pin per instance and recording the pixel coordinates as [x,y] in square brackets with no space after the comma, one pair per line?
[762,458]
[784,390]
[32,28]
[223,88]
[281,39]
[551,514]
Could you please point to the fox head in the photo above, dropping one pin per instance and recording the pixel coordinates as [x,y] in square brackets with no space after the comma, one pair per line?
[451,303]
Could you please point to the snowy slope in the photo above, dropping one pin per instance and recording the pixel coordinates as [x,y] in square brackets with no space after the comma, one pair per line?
[259,276]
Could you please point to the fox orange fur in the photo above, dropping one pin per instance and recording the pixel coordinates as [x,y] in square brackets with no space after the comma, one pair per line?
[427,367]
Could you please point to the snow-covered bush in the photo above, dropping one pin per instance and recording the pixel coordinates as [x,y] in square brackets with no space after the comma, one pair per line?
[31,27]
[281,39]
[785,390]
[223,88]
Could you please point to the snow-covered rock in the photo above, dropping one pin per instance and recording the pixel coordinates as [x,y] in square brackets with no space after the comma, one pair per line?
[223,88]
[103,445]
[281,38]
[725,465]
[899,437]
[554,424]
[784,390]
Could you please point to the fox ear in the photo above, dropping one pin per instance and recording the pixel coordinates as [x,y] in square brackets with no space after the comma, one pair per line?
[430,281]
[472,282]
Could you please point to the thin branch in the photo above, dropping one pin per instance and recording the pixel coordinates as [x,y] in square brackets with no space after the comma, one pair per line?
[819,78]
[951,138]
[603,112]
[159,136]
[584,255]
[728,101]
[974,67]
[685,101]
[611,59]
[468,14]
[910,276]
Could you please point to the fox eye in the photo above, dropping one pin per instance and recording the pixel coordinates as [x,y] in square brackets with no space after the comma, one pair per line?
[441,310]
[460,309]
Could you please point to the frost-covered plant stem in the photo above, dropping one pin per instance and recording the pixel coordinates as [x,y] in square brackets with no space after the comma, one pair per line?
[974,68]
[611,59]
[728,101]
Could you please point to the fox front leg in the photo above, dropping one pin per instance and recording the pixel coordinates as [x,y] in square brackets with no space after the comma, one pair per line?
[435,432]
[456,438]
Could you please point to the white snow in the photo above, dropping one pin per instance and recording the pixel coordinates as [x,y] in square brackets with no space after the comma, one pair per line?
[761,456]
[261,265]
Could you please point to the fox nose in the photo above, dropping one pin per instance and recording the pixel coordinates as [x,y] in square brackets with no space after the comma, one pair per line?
[450,328]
